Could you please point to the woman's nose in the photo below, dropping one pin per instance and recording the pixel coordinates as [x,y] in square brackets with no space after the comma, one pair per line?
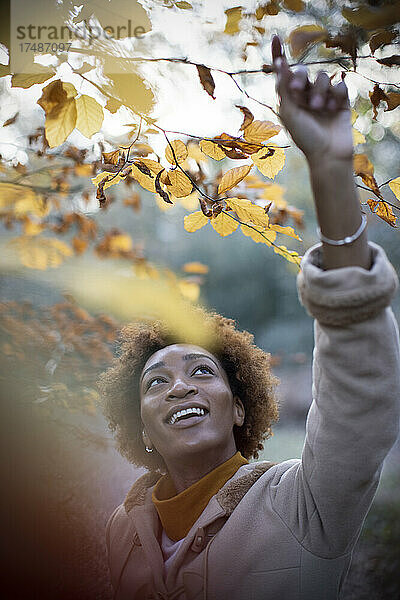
[181,389]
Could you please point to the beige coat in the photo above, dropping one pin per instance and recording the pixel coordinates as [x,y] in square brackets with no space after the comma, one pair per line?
[286,531]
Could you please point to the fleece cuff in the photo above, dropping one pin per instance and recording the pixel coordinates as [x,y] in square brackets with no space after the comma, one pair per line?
[346,295]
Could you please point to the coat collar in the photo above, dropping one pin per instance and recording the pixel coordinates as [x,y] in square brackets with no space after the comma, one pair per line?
[228,496]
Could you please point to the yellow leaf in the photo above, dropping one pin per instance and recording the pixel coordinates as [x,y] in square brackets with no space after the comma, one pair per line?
[296,5]
[180,184]
[128,88]
[224,224]
[113,179]
[233,177]
[83,170]
[212,150]
[120,243]
[195,267]
[395,187]
[147,182]
[269,160]
[180,151]
[32,228]
[113,105]
[189,289]
[303,36]
[259,131]
[190,202]
[259,234]
[290,255]
[195,152]
[273,192]
[362,165]
[233,18]
[286,230]
[382,210]
[154,166]
[25,80]
[358,137]
[22,201]
[40,253]
[89,115]
[60,122]
[195,221]
[248,212]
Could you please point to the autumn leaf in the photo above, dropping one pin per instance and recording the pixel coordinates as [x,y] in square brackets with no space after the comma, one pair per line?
[286,230]
[22,201]
[206,80]
[195,221]
[60,122]
[89,115]
[120,243]
[233,177]
[224,224]
[79,245]
[248,116]
[178,148]
[248,212]
[260,131]
[358,137]
[189,289]
[233,18]
[259,235]
[389,61]
[32,228]
[26,80]
[395,187]
[180,184]
[42,253]
[382,210]
[372,17]
[164,195]
[364,168]
[11,120]
[111,158]
[290,255]
[305,35]
[196,268]
[381,38]
[269,160]
[211,149]
[295,5]
[113,105]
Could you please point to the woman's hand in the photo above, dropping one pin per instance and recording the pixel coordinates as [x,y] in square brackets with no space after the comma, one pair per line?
[317,115]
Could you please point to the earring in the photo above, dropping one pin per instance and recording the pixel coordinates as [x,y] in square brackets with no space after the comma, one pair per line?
[149,449]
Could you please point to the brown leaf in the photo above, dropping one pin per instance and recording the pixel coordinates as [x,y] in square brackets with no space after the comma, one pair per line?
[305,35]
[11,120]
[79,245]
[205,209]
[378,95]
[206,80]
[143,168]
[390,61]
[164,195]
[133,201]
[346,41]
[111,157]
[100,195]
[382,210]
[381,38]
[248,116]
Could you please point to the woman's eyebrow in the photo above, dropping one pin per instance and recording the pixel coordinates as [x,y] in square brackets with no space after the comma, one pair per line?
[198,355]
[155,366]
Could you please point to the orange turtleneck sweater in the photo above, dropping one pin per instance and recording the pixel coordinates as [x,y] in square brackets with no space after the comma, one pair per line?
[178,512]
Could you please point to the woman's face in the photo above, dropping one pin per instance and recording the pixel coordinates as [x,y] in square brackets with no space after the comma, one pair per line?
[187,406]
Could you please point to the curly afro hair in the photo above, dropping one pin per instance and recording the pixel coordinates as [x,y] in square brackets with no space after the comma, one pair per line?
[246,365]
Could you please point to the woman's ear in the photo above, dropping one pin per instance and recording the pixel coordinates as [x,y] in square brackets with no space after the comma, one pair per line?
[239,411]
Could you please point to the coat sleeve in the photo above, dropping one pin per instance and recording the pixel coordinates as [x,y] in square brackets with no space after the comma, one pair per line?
[354,416]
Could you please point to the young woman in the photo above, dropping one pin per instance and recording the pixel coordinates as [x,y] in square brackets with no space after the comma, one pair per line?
[204,523]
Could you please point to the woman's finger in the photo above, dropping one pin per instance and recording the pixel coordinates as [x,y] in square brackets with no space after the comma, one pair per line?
[340,93]
[319,92]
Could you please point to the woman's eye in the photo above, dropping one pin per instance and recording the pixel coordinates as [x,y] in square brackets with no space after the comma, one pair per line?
[203,369]
[154,382]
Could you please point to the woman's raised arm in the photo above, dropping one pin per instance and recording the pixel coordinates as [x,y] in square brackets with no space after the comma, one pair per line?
[317,116]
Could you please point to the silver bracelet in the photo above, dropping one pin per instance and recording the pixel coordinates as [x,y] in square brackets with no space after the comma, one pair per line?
[346,240]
